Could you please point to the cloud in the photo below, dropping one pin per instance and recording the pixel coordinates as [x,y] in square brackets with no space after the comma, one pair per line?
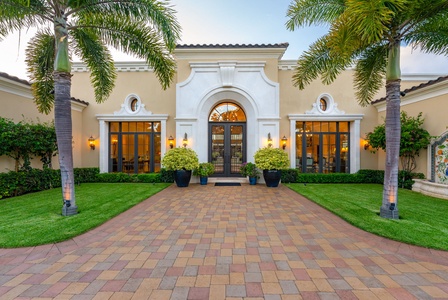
[416,61]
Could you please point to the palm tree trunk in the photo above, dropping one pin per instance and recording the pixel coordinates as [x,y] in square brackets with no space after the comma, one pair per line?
[63,124]
[389,208]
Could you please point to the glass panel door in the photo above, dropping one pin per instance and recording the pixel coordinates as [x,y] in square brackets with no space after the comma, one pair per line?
[217,148]
[344,165]
[236,148]
[157,152]
[227,148]
[144,148]
[128,150]
[329,153]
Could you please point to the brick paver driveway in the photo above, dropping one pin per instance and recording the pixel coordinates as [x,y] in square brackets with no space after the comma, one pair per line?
[207,242]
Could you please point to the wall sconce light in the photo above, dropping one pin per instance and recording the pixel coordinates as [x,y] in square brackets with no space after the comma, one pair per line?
[185,140]
[171,141]
[284,140]
[269,140]
[91,142]
[366,145]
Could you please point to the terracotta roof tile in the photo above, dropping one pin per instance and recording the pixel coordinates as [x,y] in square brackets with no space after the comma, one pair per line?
[14,78]
[415,88]
[23,81]
[79,101]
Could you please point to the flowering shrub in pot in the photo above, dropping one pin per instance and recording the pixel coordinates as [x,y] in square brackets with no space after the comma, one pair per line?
[182,161]
[250,170]
[271,161]
[203,171]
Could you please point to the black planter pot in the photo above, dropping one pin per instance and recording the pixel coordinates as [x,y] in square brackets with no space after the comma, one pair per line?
[182,177]
[272,177]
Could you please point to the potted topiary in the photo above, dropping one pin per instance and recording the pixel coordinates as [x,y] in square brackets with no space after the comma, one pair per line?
[182,161]
[271,161]
[250,170]
[203,171]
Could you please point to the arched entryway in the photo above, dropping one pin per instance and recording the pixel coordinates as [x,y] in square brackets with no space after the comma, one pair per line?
[227,138]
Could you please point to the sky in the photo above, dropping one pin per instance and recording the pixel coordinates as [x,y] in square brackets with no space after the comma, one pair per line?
[231,22]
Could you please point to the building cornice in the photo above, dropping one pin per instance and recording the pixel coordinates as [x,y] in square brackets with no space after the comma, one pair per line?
[15,86]
[223,52]
[78,105]
[287,65]
[314,117]
[417,94]
[139,118]
[120,66]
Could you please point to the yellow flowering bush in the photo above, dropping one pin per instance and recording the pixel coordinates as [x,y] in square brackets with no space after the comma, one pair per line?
[269,158]
[180,159]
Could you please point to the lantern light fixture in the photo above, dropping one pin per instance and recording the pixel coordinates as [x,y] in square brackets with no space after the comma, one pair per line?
[366,145]
[269,140]
[284,140]
[185,140]
[91,143]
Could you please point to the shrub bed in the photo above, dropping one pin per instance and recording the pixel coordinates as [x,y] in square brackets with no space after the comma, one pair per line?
[405,179]
[23,182]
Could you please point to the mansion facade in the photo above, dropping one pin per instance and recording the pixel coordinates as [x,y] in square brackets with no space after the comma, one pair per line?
[226,102]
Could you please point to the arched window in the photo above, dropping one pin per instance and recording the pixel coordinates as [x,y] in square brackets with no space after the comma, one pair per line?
[227,112]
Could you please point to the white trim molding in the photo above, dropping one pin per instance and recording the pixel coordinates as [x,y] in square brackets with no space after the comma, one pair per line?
[210,83]
[421,94]
[15,88]
[120,66]
[125,114]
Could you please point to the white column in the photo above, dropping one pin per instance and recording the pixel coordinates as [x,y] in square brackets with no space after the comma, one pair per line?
[104,142]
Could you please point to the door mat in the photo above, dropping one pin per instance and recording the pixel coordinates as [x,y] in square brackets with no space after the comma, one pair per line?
[227,184]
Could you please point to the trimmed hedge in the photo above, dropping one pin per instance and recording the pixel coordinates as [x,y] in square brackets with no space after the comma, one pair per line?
[405,179]
[23,182]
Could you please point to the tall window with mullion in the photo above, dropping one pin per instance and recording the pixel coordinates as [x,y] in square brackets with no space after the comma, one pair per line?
[135,147]
[322,147]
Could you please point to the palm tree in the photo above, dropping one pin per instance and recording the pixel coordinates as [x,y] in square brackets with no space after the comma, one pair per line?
[144,28]
[368,34]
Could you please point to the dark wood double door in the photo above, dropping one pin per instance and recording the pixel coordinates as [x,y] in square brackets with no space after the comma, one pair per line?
[227,147]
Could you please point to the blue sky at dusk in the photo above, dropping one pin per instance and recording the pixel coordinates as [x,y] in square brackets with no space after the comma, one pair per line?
[231,22]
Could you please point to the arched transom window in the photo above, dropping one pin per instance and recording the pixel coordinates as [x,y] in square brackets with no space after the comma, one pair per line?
[227,112]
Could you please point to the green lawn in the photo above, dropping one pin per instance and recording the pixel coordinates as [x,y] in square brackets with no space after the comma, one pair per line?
[423,220]
[35,219]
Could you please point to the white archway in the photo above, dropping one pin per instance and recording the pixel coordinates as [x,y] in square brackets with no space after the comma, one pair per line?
[209,102]
[244,83]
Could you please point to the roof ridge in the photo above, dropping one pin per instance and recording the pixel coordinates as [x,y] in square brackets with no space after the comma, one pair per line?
[14,78]
[415,88]
[277,45]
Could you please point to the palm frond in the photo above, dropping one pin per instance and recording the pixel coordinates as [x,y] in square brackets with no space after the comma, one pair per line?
[431,35]
[313,12]
[19,14]
[342,40]
[89,47]
[318,60]
[133,37]
[157,14]
[371,19]
[40,62]
[422,10]
[370,71]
